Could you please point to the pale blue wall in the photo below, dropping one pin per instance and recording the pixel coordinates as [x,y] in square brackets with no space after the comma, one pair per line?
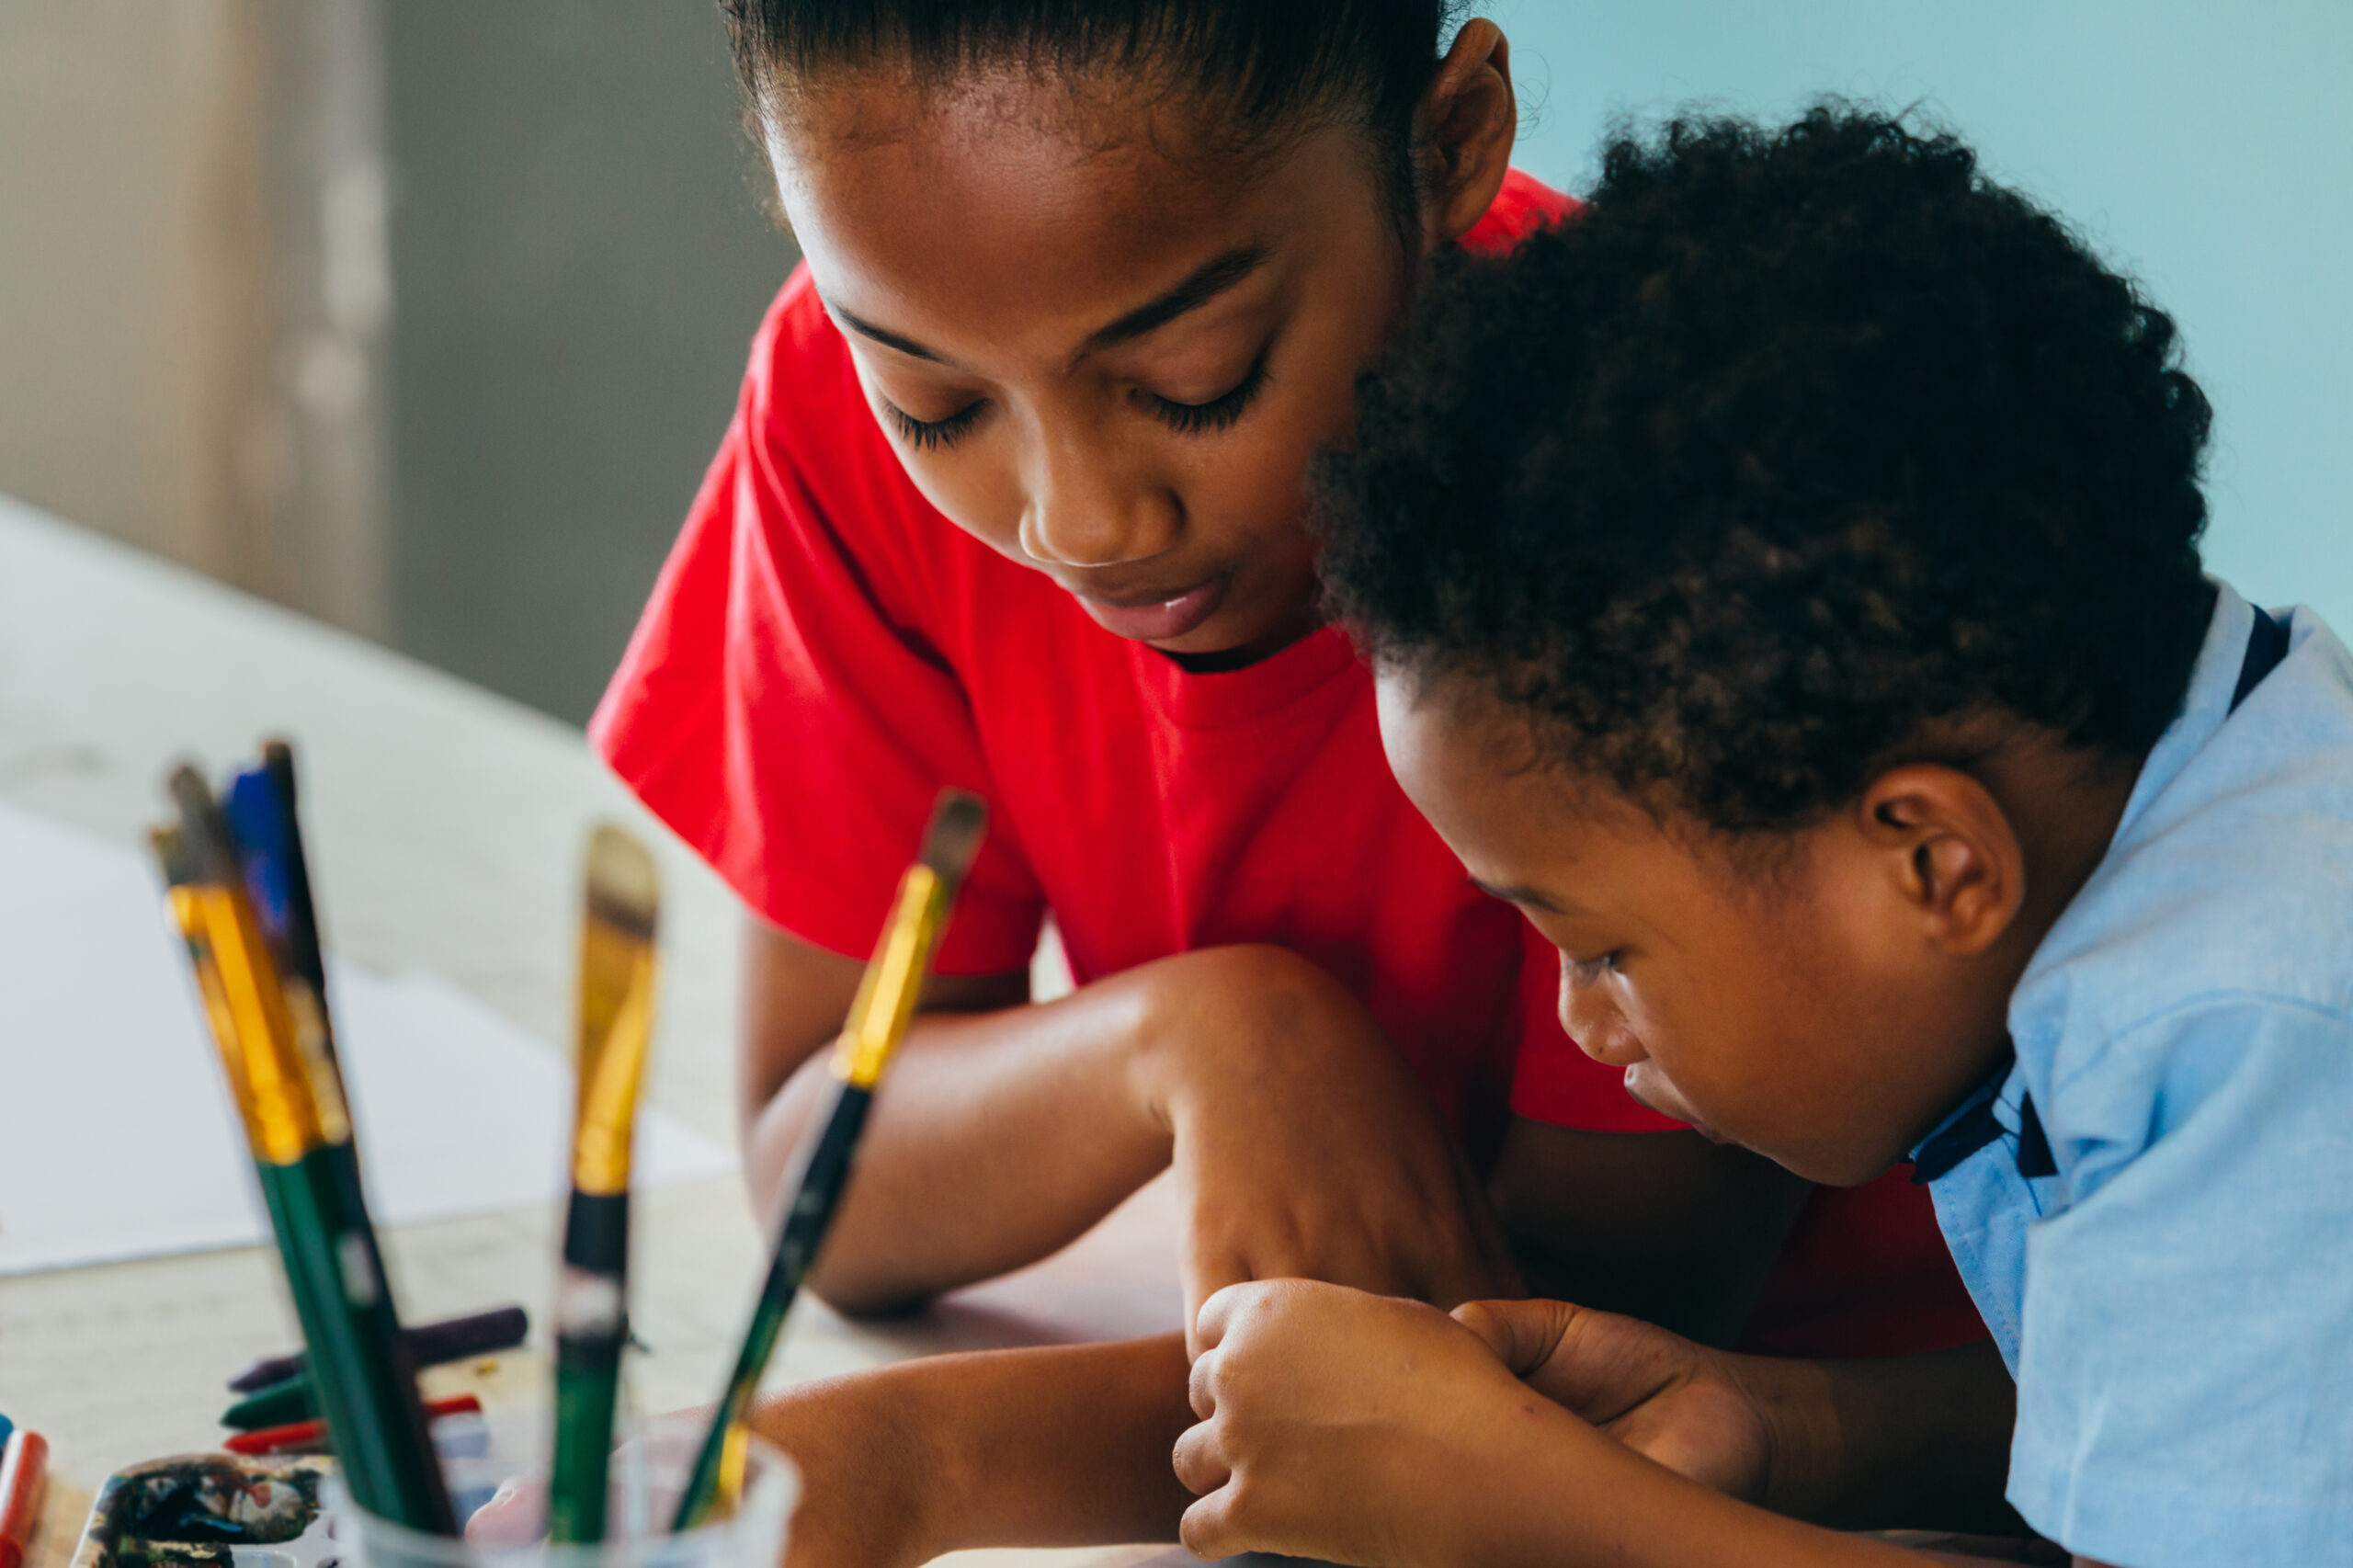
[2205,148]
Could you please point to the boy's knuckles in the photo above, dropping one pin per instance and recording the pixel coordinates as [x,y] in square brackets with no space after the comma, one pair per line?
[1200,1384]
[1207,1527]
[1198,1461]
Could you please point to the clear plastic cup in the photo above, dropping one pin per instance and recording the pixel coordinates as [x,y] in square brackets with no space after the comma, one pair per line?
[504,1461]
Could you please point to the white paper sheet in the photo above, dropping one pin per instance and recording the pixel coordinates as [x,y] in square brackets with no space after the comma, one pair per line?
[116,1138]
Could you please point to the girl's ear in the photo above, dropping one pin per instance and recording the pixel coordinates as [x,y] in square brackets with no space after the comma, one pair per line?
[1464,131]
[1952,854]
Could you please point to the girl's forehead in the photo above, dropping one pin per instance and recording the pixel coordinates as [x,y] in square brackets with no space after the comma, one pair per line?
[973,214]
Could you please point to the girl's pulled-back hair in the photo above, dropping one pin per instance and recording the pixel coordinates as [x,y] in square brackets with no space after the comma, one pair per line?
[1256,69]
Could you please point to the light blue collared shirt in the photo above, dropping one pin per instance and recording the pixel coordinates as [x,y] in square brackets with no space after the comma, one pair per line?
[2176,1299]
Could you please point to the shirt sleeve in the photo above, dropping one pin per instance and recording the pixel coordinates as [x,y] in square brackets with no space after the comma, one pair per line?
[1553,1080]
[772,711]
[2185,1390]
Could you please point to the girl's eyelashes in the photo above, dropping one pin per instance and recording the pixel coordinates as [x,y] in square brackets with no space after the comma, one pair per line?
[928,435]
[1185,419]
[1197,418]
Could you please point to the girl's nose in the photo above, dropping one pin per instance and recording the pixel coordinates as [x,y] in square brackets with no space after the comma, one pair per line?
[1085,510]
[1595,1023]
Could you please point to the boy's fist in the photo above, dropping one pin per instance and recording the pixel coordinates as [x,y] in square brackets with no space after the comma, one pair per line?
[1339,1424]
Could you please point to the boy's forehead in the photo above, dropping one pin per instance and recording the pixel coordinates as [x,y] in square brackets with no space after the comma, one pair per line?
[1476,768]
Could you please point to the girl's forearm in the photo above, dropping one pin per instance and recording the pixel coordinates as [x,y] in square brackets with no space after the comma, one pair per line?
[999,1137]
[1557,1491]
[1064,1446]
[1902,1442]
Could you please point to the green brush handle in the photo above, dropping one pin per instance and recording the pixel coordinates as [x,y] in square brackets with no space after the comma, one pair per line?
[364,1377]
[592,1327]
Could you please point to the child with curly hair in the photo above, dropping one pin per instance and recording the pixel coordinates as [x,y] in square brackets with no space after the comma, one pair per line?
[1783,586]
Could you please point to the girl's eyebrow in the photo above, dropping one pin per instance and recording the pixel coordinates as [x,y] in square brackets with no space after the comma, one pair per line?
[1206,282]
[888,338]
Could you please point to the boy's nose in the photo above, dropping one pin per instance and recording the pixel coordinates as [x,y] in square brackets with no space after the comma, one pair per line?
[1597,1026]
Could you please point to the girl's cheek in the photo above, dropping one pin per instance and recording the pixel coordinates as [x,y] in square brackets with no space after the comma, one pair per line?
[976,490]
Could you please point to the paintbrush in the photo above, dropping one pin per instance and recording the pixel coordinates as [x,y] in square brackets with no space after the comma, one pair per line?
[879,1016]
[273,1042]
[616,979]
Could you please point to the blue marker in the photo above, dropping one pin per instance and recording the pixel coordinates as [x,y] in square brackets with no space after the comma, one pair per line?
[7,1426]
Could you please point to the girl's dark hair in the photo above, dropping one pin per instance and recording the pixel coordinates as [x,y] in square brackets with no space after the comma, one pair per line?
[1803,445]
[1256,69]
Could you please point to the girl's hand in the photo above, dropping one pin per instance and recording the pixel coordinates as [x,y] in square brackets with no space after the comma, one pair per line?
[1351,1427]
[1303,1145]
[1705,1414]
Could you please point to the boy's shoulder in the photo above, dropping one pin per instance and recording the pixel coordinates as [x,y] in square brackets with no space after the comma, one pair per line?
[2228,888]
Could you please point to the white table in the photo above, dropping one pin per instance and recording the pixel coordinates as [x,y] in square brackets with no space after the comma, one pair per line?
[446,827]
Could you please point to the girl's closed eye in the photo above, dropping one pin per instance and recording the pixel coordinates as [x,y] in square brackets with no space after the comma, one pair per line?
[1218,413]
[928,435]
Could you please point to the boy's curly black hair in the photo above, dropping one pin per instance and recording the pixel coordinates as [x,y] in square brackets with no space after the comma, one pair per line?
[1796,443]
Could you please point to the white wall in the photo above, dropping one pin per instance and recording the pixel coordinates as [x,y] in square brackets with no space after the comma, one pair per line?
[2205,148]
[192,285]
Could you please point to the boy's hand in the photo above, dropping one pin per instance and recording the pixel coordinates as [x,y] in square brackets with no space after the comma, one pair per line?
[1343,1426]
[1303,1145]
[1687,1407]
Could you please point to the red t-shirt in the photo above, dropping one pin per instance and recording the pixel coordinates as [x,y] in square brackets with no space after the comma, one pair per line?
[824,651]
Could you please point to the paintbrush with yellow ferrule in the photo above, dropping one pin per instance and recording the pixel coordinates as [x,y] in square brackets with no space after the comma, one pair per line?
[879,1016]
[618,966]
[290,1098]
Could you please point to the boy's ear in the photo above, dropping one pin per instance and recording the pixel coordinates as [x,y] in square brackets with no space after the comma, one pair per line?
[1464,131]
[1951,853]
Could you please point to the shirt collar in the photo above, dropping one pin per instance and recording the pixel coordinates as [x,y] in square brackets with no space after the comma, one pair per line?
[2213,680]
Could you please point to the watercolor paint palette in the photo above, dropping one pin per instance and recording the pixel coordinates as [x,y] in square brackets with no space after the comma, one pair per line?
[211,1511]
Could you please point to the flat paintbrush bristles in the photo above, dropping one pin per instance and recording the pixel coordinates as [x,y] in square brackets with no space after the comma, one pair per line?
[290,1108]
[204,843]
[623,886]
[957,822]
[618,964]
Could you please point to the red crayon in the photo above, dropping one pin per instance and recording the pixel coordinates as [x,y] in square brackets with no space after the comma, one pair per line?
[311,1436]
[24,1479]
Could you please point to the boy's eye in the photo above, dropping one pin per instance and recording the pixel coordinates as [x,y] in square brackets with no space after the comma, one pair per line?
[926,435]
[1195,418]
[1588,972]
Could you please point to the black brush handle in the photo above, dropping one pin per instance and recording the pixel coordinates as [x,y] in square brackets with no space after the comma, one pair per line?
[802,1233]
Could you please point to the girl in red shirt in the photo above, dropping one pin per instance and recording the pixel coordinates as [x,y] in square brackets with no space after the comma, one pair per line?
[1012,500]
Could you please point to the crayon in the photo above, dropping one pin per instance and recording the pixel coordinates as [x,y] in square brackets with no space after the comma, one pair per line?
[879,1017]
[24,1482]
[273,1406]
[311,1436]
[430,1344]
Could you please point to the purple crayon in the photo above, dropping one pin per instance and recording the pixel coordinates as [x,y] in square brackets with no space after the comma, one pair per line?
[433,1345]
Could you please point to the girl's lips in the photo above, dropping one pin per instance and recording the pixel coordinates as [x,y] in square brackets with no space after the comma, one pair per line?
[1162,620]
